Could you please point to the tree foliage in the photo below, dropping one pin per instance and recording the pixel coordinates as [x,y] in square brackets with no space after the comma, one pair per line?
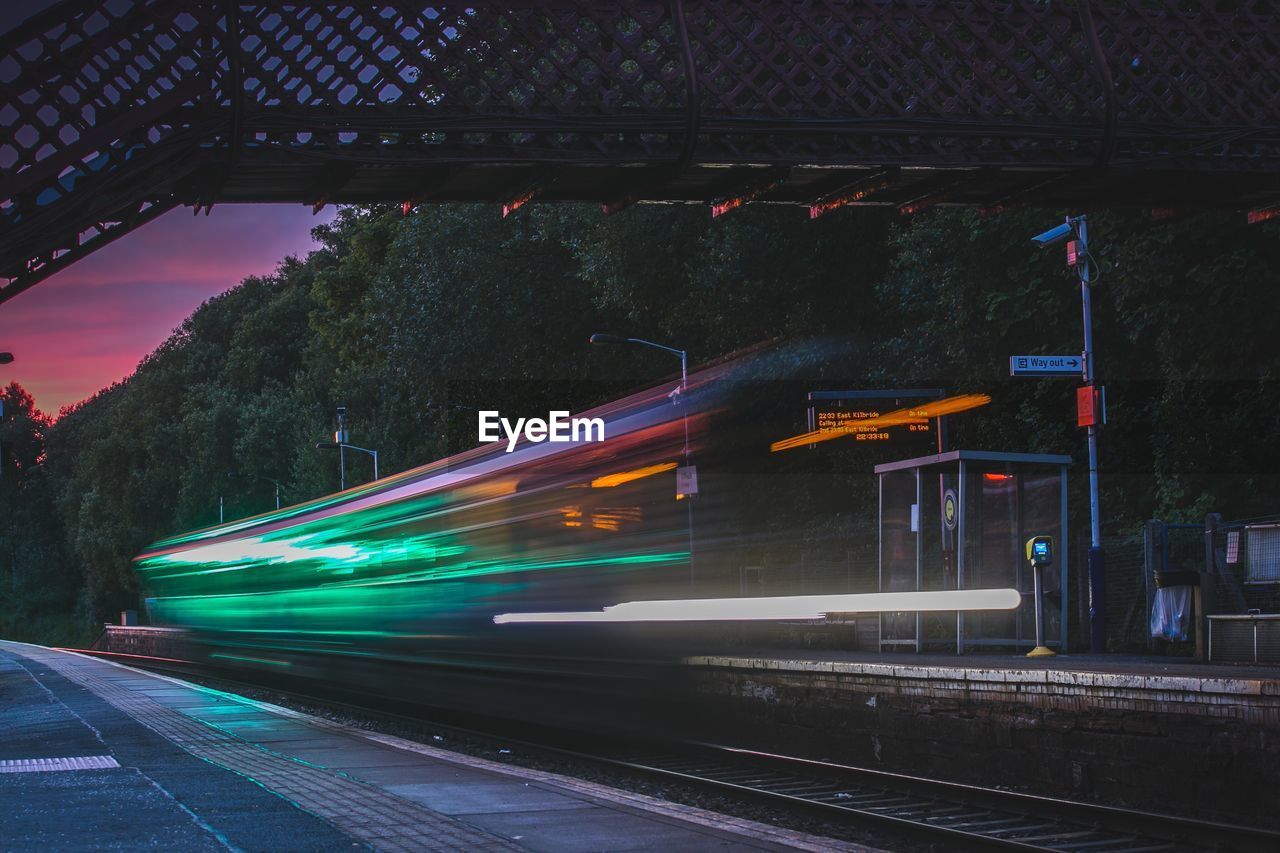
[414,322]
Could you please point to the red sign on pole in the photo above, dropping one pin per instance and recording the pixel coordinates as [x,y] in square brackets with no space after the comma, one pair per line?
[1089,406]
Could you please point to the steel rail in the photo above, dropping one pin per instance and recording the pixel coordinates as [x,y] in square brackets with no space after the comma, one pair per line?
[989,816]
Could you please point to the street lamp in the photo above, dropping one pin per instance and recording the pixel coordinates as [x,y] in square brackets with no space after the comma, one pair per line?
[6,358]
[1075,231]
[340,437]
[341,446]
[602,339]
[235,474]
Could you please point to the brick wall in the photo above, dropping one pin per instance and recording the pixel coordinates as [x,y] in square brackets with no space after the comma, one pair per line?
[1210,746]
[150,642]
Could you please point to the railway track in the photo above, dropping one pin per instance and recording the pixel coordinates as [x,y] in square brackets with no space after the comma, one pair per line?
[963,814]
[958,815]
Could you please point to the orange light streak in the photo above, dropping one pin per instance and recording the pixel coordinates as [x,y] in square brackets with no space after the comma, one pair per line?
[608,481]
[495,489]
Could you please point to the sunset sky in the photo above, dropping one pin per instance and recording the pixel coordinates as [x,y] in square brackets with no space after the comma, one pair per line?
[90,325]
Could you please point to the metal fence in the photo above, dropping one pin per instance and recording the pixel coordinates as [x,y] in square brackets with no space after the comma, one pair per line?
[1227,578]
[1245,567]
[1242,593]
[1127,592]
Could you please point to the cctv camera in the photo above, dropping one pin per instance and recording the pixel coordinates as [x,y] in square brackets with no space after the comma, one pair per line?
[1053,236]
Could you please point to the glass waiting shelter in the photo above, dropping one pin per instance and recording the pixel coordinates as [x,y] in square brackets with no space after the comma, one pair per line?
[960,520]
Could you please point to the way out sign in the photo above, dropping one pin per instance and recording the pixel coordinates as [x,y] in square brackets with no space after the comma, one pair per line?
[1046,365]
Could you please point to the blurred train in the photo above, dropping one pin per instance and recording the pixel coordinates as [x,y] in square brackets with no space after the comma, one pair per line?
[393,586]
[396,586]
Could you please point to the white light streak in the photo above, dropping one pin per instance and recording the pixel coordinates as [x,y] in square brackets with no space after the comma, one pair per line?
[780,607]
[250,550]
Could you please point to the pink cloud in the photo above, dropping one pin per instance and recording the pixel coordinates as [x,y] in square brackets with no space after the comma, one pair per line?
[231,242]
[91,324]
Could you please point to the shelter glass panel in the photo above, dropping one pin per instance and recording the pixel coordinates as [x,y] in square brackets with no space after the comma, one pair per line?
[899,550]
[973,513]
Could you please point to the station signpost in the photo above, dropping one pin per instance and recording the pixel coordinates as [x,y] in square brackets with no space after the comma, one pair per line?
[1090,402]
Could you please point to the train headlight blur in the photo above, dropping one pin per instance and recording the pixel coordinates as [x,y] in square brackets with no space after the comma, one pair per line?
[779,607]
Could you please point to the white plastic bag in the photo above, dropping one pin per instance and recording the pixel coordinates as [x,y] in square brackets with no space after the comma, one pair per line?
[1171,613]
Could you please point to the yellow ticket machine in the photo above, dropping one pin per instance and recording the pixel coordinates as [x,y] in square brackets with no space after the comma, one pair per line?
[1040,556]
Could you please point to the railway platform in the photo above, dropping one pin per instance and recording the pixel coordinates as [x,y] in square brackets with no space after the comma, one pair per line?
[97,755]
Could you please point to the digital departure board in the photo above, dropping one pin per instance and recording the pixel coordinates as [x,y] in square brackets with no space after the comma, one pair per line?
[875,415]
[862,423]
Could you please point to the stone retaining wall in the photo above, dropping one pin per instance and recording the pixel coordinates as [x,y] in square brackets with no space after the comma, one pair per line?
[150,642]
[1205,745]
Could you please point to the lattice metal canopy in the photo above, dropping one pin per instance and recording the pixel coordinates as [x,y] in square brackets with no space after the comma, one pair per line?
[115,111]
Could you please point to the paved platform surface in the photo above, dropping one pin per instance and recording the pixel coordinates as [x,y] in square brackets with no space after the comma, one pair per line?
[95,755]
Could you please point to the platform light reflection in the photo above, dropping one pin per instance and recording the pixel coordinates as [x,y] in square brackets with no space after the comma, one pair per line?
[780,607]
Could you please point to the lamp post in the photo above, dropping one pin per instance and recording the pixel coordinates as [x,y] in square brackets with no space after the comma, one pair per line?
[601,339]
[341,446]
[340,437]
[1075,232]
[235,474]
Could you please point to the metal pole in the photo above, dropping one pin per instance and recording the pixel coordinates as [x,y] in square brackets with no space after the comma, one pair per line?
[1035,577]
[340,438]
[1086,301]
[277,482]
[684,416]
[1097,575]
[880,560]
[677,397]
[919,537]
[1203,587]
[371,452]
[1041,650]
[961,518]
[220,509]
[1064,566]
